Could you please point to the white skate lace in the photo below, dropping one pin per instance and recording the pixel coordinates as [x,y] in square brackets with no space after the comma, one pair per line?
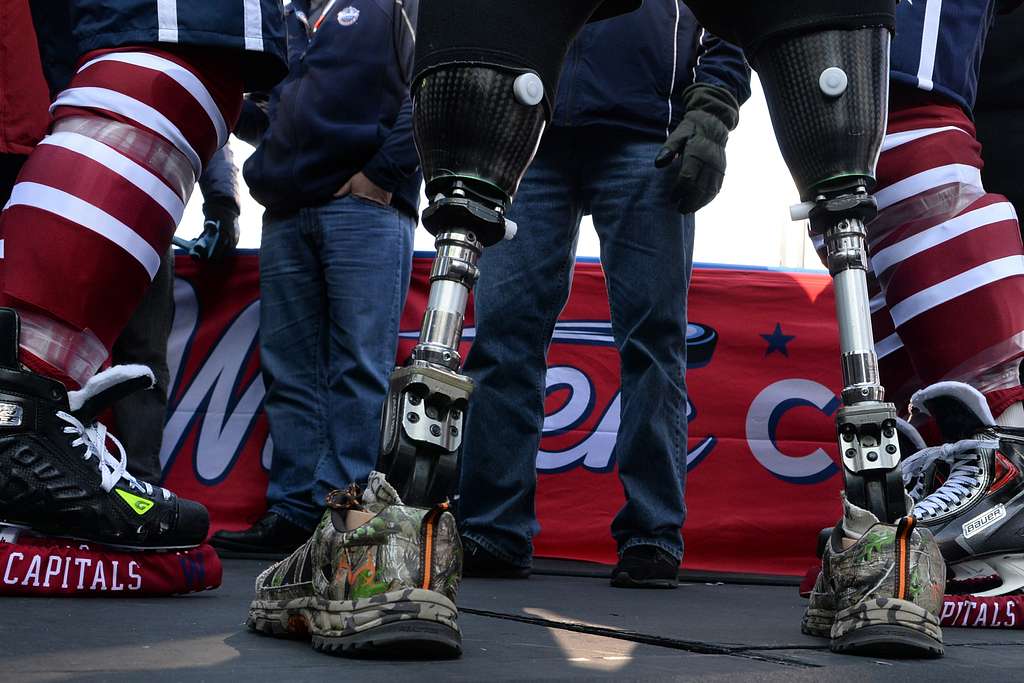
[112,469]
[964,459]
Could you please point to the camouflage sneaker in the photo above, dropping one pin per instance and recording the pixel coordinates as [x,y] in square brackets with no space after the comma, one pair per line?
[879,595]
[386,587]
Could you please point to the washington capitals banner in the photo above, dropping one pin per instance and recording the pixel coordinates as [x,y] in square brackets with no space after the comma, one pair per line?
[763,378]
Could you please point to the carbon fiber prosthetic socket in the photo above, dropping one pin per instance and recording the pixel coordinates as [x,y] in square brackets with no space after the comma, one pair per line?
[470,125]
[827,94]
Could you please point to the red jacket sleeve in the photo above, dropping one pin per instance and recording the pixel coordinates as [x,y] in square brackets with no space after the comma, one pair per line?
[24,96]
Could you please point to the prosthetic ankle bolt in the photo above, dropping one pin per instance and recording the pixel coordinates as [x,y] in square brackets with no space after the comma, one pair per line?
[827,94]
[486,75]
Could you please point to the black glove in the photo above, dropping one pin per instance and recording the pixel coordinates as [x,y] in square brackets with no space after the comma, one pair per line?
[220,233]
[699,141]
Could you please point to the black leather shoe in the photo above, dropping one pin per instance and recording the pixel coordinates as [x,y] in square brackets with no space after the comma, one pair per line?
[273,535]
[479,563]
[646,566]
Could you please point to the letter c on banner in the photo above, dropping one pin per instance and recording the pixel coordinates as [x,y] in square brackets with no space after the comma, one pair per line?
[763,419]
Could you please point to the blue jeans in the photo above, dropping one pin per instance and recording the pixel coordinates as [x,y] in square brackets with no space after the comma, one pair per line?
[333,281]
[646,251]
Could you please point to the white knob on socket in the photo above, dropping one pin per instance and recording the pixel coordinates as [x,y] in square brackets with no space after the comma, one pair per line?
[833,81]
[529,89]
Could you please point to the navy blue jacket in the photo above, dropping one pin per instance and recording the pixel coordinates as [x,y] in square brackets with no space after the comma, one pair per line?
[251,28]
[939,45]
[343,108]
[631,71]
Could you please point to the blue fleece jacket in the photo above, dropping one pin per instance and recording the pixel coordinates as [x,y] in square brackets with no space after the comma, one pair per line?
[631,71]
[344,107]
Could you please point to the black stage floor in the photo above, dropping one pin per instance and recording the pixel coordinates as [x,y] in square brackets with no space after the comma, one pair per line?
[549,627]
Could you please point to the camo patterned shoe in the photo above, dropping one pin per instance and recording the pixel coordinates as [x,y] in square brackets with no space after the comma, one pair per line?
[821,610]
[879,595]
[377,577]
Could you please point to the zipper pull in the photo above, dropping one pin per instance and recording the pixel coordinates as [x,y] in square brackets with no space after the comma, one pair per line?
[323,15]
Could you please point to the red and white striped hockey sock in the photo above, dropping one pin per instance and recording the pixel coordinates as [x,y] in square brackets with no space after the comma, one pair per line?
[948,287]
[98,201]
[948,257]
[1008,406]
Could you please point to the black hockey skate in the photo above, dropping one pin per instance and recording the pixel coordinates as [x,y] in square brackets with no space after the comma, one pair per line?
[57,476]
[970,491]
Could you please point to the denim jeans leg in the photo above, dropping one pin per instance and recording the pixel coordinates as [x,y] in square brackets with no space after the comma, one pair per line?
[646,251]
[523,286]
[292,329]
[367,261]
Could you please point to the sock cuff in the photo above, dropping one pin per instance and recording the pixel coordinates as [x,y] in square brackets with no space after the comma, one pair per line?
[1002,399]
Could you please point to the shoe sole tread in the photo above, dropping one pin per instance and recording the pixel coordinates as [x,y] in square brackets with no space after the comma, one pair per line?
[882,627]
[391,624]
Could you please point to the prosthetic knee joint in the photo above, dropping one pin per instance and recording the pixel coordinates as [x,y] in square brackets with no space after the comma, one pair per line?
[476,128]
[827,94]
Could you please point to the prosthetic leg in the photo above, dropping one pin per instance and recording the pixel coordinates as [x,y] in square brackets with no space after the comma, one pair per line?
[829,116]
[423,416]
[478,119]
[882,575]
[424,412]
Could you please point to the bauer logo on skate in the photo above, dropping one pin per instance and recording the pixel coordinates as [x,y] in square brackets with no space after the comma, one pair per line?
[10,415]
[975,526]
[759,450]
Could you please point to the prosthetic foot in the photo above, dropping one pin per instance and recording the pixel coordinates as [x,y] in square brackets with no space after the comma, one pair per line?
[377,577]
[970,491]
[879,589]
[57,476]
